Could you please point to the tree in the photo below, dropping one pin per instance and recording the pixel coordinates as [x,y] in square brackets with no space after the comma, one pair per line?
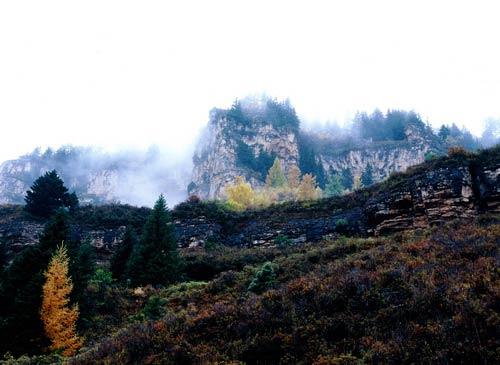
[444,132]
[275,177]
[22,330]
[47,194]
[240,195]
[155,259]
[122,254]
[59,318]
[347,179]
[293,177]
[367,176]
[307,188]
[334,186]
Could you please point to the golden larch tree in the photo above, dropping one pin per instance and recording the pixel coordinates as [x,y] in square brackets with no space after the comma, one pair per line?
[294,177]
[59,318]
[275,176]
[308,188]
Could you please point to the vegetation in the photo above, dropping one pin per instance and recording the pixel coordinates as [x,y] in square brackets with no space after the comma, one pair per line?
[275,177]
[47,194]
[155,259]
[59,319]
[418,297]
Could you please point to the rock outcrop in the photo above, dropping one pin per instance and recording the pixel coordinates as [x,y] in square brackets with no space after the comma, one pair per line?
[218,159]
[445,189]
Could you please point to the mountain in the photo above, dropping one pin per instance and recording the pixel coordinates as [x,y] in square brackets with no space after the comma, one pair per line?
[245,139]
[135,177]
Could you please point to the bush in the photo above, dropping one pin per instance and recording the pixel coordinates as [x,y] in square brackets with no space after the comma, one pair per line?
[264,278]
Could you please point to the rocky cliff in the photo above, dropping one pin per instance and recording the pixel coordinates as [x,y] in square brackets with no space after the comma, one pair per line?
[234,142]
[97,177]
[457,187]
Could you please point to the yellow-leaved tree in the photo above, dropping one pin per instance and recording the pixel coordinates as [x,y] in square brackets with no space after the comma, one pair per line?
[308,189]
[240,195]
[58,316]
[294,177]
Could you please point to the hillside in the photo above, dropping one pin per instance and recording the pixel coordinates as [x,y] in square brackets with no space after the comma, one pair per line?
[404,271]
[427,297]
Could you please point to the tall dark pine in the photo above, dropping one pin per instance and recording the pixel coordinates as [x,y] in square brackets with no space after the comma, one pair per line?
[122,254]
[155,259]
[367,176]
[47,194]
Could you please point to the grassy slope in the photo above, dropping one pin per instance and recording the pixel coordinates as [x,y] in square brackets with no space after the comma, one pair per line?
[431,297]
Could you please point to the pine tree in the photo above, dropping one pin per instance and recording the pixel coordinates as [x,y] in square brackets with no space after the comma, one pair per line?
[293,177]
[240,196]
[367,176]
[47,194]
[59,318]
[155,260]
[22,330]
[334,186]
[122,254]
[275,177]
[347,179]
[307,188]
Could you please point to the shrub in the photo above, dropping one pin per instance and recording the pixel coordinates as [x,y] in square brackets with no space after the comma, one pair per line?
[264,278]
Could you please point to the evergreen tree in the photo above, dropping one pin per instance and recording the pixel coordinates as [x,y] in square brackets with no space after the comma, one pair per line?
[22,330]
[275,177]
[155,259]
[81,266]
[59,318]
[444,132]
[293,177]
[347,179]
[367,176]
[334,186]
[47,194]
[122,254]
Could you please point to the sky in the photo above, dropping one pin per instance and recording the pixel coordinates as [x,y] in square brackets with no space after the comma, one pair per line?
[129,73]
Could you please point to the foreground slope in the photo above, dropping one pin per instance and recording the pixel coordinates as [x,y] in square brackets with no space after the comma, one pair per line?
[427,297]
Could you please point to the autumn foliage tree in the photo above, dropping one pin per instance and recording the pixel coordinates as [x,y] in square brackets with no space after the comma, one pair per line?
[275,177]
[58,316]
[293,177]
[240,195]
[308,188]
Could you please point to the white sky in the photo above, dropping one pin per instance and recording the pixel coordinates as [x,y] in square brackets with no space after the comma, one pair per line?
[117,73]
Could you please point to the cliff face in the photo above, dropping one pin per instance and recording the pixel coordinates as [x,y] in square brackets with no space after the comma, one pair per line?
[216,157]
[217,160]
[97,177]
[430,194]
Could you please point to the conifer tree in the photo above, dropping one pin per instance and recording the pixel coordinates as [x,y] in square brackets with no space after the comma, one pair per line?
[47,194]
[367,176]
[122,254]
[307,188]
[275,177]
[334,186]
[347,179]
[155,260]
[59,318]
[22,331]
[293,177]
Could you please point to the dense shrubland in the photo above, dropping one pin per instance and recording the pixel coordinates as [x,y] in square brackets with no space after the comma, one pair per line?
[422,297]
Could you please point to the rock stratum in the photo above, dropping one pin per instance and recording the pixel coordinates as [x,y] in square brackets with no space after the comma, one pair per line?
[462,186]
